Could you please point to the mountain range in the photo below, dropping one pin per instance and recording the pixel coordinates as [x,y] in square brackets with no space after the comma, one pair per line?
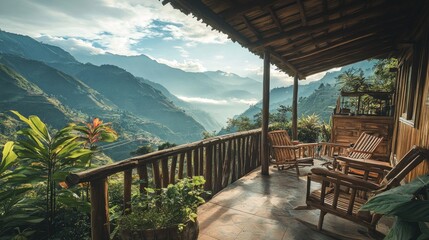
[47,81]
[220,94]
[318,97]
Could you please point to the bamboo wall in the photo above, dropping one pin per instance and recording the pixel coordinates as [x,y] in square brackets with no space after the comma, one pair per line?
[405,134]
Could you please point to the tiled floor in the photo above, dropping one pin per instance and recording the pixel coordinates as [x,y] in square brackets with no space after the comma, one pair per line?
[262,207]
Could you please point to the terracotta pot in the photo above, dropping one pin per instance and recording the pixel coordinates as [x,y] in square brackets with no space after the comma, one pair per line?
[189,232]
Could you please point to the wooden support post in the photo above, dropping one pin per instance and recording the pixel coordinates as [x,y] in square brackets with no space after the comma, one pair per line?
[265,113]
[128,178]
[100,226]
[295,109]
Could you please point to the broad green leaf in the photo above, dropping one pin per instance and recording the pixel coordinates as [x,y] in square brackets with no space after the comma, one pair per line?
[39,127]
[8,157]
[402,230]
[389,201]
[413,211]
[108,136]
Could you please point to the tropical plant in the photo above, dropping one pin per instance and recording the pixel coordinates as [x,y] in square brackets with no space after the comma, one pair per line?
[309,128]
[160,208]
[51,156]
[15,210]
[409,204]
[94,132]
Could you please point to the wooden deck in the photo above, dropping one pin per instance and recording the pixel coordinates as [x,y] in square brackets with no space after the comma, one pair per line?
[261,207]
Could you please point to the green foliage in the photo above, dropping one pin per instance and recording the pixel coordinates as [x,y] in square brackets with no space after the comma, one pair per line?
[158,208]
[241,123]
[309,128]
[49,157]
[15,210]
[207,134]
[142,150]
[166,145]
[352,80]
[410,204]
[383,78]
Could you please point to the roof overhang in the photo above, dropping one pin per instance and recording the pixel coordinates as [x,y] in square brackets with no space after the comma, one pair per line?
[309,36]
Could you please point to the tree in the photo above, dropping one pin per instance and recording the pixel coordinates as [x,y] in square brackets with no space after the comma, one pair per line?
[142,150]
[166,145]
[352,80]
[383,78]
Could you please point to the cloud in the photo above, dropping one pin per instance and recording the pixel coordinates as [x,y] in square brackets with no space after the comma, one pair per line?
[203,100]
[116,25]
[74,45]
[186,65]
[211,101]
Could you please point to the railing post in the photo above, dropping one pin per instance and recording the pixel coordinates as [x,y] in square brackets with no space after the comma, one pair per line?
[100,226]
[128,178]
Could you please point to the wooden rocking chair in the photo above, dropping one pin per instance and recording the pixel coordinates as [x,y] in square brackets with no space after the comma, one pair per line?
[286,155]
[341,194]
[363,148]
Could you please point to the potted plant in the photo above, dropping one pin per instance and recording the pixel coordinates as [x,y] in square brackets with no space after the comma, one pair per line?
[167,213]
[409,203]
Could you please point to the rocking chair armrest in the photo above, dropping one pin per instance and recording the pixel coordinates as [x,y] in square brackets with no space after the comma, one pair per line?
[359,151]
[307,145]
[357,182]
[365,163]
[334,144]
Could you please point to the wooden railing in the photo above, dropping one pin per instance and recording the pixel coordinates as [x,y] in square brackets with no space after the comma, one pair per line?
[221,160]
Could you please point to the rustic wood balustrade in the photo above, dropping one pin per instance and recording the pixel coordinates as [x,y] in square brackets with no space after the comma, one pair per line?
[221,160]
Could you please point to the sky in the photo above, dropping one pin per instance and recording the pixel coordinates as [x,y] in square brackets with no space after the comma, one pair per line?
[134,27]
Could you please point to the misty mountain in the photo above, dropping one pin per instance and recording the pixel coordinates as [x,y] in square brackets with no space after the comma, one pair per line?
[16,93]
[204,118]
[283,95]
[89,90]
[222,94]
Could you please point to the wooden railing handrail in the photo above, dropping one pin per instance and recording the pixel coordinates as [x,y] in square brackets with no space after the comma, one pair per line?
[131,163]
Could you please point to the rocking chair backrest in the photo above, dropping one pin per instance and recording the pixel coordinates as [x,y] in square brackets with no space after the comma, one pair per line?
[409,162]
[365,146]
[281,138]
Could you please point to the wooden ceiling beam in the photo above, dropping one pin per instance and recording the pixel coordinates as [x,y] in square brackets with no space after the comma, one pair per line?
[276,19]
[240,10]
[282,61]
[349,49]
[350,34]
[251,28]
[326,65]
[323,26]
[350,52]
[302,12]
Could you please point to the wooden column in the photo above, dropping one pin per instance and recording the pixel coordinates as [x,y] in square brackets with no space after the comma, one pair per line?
[265,113]
[100,226]
[295,109]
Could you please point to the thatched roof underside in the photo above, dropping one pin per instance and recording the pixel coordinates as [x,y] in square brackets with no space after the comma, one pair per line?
[310,36]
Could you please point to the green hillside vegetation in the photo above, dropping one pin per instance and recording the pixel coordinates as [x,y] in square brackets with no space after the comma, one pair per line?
[321,102]
[18,93]
[67,89]
[127,92]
